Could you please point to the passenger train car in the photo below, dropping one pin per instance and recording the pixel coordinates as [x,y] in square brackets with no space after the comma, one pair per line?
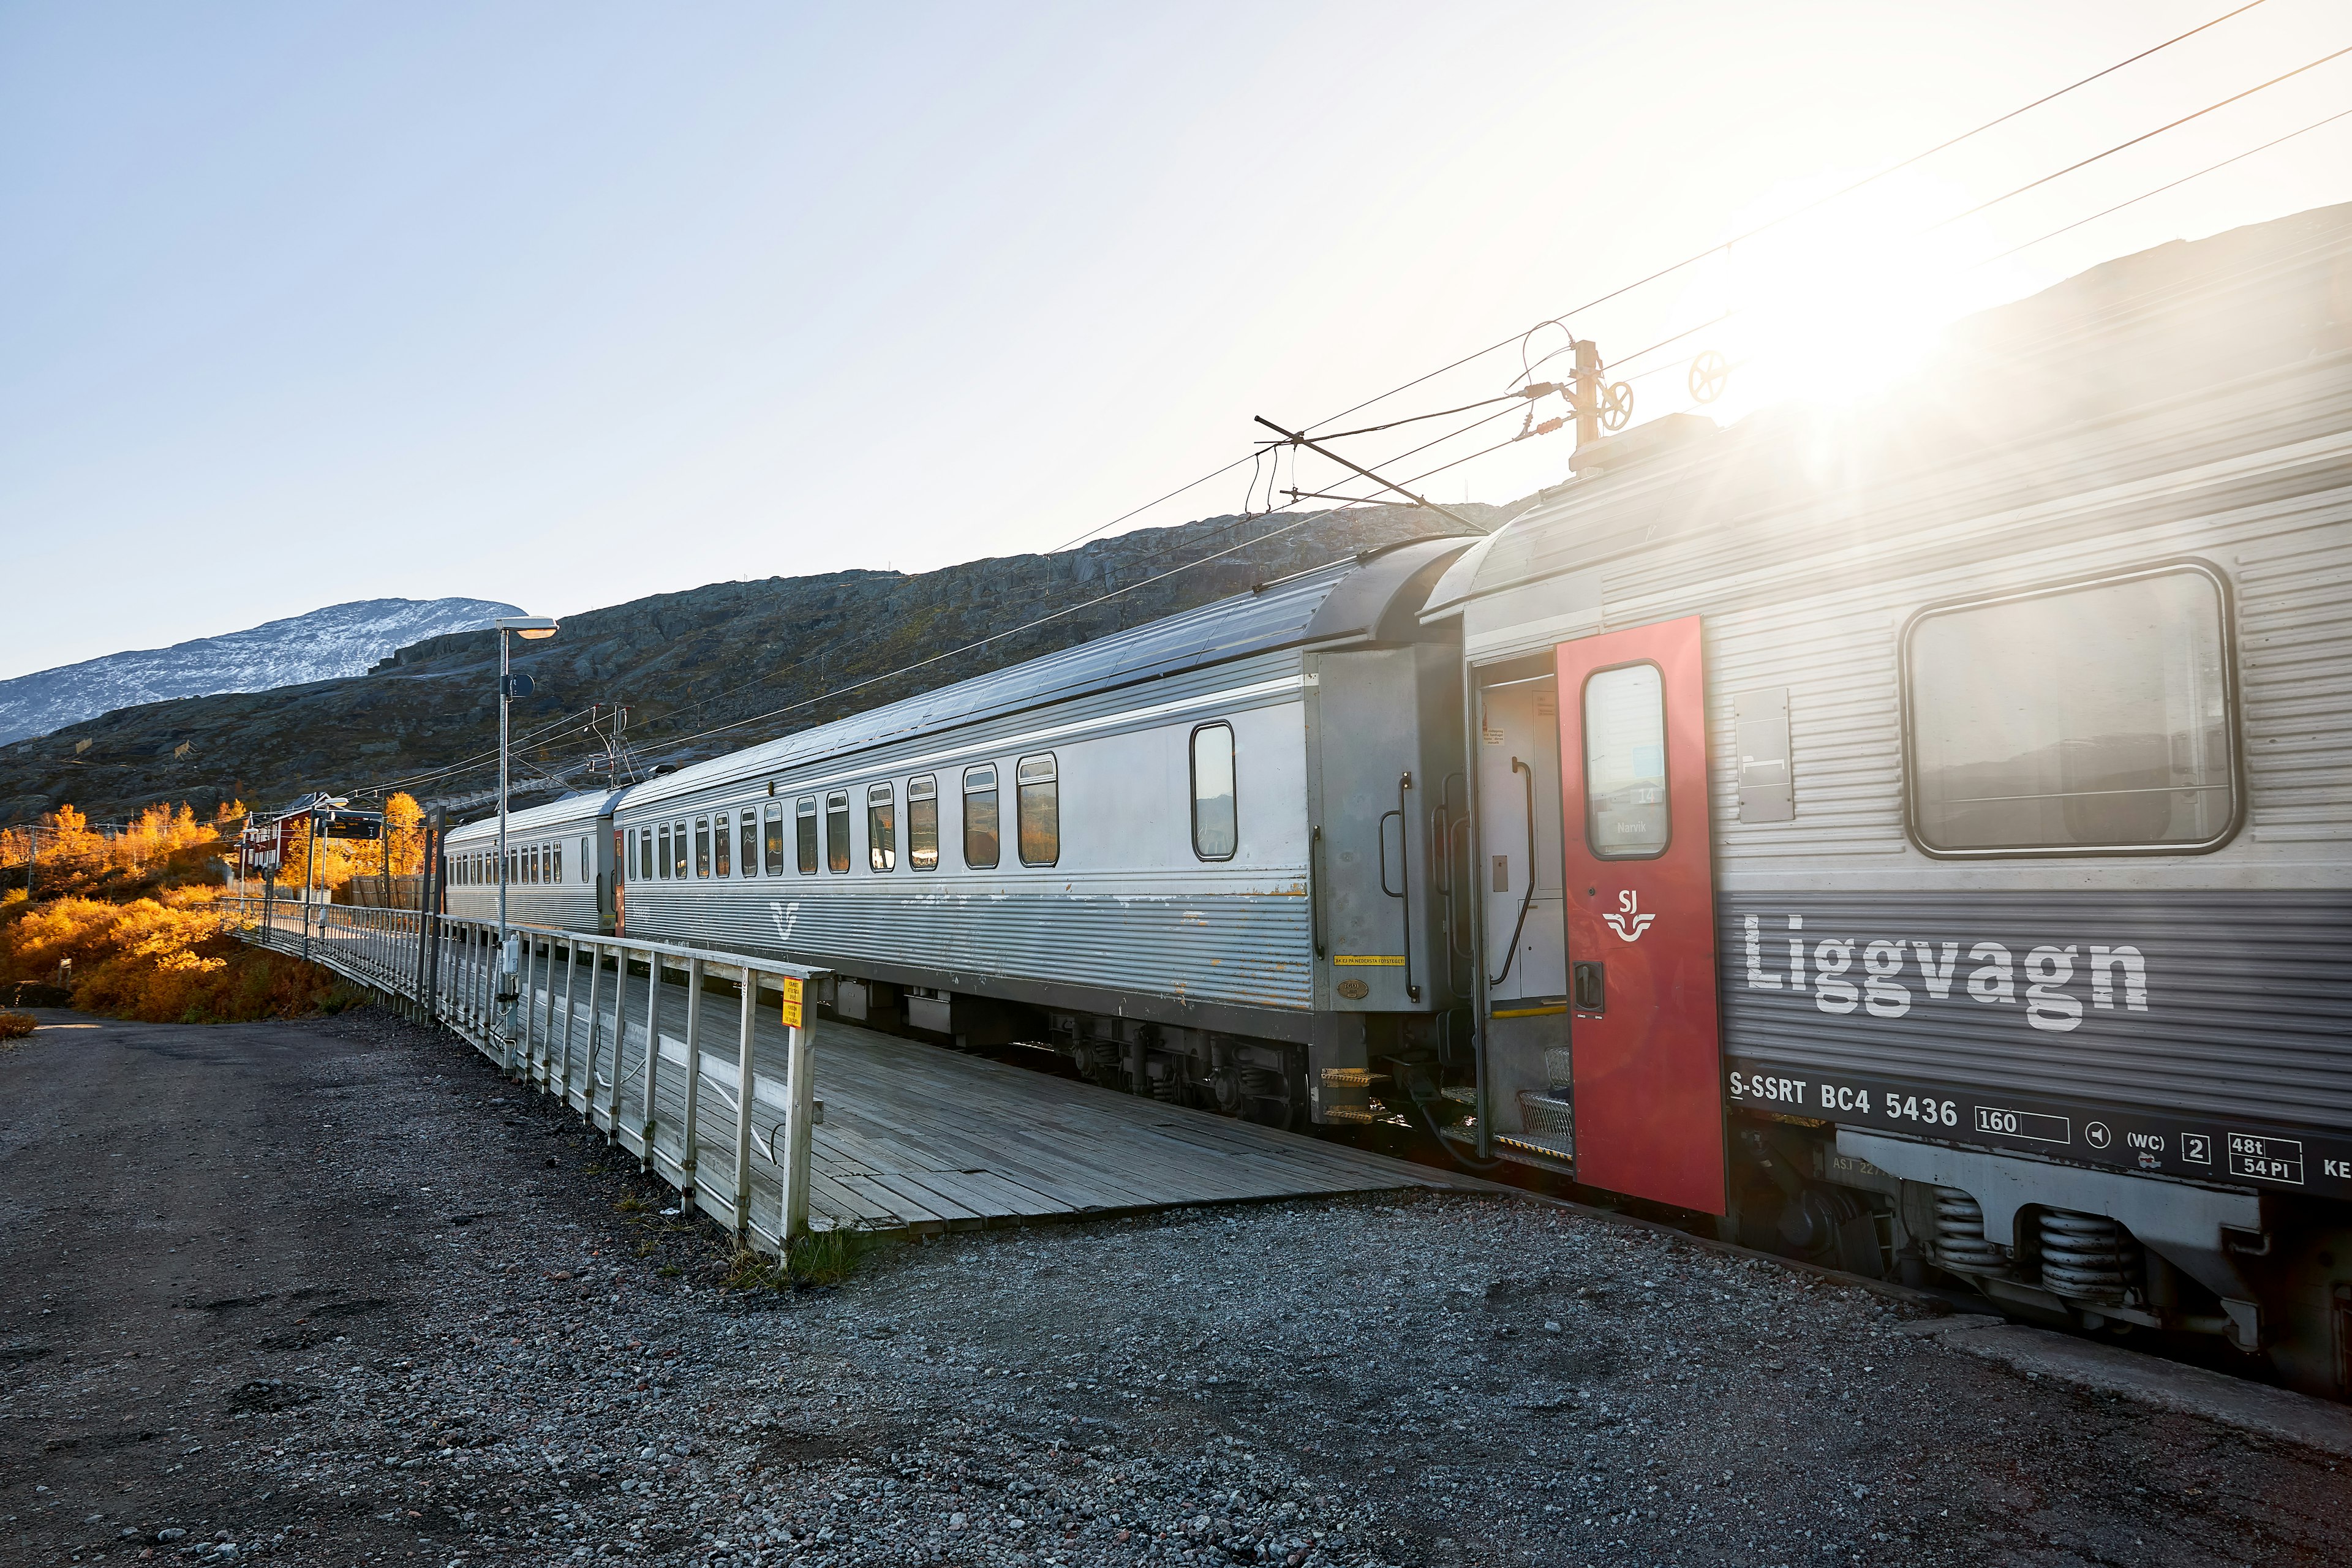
[1188,854]
[1952,804]
[1919,837]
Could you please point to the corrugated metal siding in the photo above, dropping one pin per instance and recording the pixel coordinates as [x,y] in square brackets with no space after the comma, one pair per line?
[2248,1004]
[1214,941]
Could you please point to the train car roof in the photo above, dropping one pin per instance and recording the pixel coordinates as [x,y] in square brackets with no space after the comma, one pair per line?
[586,805]
[1998,412]
[1373,596]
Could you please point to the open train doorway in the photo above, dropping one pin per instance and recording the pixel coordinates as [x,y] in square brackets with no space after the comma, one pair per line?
[1522,902]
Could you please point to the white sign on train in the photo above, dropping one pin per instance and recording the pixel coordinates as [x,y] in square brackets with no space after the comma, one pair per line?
[1884,976]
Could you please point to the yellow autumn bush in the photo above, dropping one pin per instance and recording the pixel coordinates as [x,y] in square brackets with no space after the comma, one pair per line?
[159,950]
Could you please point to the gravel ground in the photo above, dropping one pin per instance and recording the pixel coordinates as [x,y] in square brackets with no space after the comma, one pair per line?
[432,1319]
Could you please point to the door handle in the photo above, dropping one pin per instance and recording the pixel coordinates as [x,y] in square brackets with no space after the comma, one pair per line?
[1588,988]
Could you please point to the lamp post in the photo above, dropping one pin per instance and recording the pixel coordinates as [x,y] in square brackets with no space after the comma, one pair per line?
[531,628]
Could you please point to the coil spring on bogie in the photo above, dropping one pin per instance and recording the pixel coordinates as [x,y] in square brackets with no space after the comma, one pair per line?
[2086,1257]
[1960,1246]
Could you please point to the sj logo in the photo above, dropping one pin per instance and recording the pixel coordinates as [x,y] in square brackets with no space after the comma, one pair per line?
[1630,923]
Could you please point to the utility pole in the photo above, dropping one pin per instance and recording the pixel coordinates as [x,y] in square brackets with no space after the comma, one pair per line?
[311,876]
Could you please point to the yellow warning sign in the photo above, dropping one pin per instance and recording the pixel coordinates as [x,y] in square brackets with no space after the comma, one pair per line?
[1378,960]
[793,1018]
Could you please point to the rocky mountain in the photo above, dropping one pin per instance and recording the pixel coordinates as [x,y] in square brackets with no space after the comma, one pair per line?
[340,640]
[782,653]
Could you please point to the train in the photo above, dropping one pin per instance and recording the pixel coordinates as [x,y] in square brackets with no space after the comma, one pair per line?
[1913,838]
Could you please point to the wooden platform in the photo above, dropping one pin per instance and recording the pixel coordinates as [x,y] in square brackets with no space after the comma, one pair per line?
[917,1138]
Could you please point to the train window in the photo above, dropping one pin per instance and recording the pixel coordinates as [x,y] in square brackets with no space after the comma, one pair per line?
[702,846]
[836,830]
[881,828]
[980,846]
[2090,717]
[804,831]
[678,845]
[923,823]
[1216,828]
[1040,808]
[747,828]
[774,844]
[530,864]
[587,858]
[1625,811]
[722,837]
[664,861]
[645,854]
[555,863]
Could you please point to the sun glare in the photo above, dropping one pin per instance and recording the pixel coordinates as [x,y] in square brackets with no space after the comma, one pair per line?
[1833,307]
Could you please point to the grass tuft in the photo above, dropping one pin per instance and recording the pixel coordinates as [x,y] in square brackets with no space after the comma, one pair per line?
[16,1026]
[811,1262]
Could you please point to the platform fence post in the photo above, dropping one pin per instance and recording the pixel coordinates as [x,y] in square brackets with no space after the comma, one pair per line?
[799,1106]
[742,1185]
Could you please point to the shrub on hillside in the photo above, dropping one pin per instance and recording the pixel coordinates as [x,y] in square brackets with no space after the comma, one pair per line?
[168,959]
[16,1026]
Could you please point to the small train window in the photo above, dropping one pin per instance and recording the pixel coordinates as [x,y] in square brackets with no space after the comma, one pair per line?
[702,846]
[980,845]
[1625,809]
[836,830]
[772,839]
[722,839]
[645,854]
[1040,807]
[587,858]
[2089,717]
[555,863]
[881,828]
[923,823]
[747,828]
[678,845]
[804,833]
[1216,827]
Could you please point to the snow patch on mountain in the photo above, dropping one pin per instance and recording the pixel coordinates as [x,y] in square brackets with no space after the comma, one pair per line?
[325,645]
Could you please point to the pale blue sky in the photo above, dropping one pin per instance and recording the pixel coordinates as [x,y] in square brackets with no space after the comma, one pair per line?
[565,304]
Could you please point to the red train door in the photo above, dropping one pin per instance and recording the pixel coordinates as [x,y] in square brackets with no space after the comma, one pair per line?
[1644,1053]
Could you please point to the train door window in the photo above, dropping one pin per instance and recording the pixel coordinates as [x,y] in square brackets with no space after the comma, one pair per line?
[804,833]
[881,827]
[747,829]
[980,845]
[1625,815]
[2087,718]
[722,838]
[836,830]
[774,838]
[586,858]
[1216,827]
[678,846]
[1040,807]
[923,823]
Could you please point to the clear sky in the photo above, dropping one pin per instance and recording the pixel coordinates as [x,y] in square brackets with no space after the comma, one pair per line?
[563,304]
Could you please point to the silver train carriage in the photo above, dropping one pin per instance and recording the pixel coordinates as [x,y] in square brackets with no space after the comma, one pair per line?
[1190,855]
[1924,839]
[560,865]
